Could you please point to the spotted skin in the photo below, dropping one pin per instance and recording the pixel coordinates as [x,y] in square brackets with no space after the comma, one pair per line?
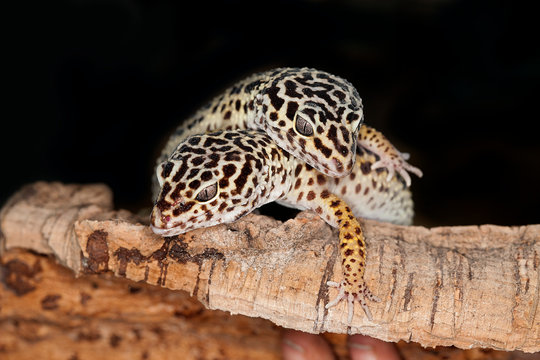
[219,177]
[313,115]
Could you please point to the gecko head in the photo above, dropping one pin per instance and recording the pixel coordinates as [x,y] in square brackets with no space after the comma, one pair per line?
[209,179]
[315,116]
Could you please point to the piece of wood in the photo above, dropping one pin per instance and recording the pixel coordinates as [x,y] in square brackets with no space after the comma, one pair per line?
[473,286]
[45,312]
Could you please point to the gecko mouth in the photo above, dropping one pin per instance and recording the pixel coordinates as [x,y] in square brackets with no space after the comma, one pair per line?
[176,228]
[166,232]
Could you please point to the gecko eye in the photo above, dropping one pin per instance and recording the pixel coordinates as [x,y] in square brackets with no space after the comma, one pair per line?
[303,127]
[207,194]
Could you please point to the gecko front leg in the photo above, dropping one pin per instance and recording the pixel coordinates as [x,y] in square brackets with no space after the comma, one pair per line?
[352,248]
[352,245]
[389,157]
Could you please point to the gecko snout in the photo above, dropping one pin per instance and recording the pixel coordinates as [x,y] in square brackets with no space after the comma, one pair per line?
[159,220]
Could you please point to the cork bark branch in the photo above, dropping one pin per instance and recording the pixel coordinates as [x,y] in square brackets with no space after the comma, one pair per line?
[471,286]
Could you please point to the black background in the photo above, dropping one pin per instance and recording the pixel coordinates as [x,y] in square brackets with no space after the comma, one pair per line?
[95,86]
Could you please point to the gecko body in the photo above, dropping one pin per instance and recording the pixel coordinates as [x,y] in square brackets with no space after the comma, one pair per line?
[219,177]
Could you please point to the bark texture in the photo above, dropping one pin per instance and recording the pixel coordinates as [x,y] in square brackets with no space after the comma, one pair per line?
[474,286]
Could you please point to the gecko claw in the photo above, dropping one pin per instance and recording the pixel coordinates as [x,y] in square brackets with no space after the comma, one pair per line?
[400,165]
[344,295]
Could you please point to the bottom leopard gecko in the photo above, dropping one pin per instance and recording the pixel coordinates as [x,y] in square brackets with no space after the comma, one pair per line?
[219,177]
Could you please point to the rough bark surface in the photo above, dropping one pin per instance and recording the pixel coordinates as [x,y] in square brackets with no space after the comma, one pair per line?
[474,286]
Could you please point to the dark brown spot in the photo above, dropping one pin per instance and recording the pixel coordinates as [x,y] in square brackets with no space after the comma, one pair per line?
[290,89]
[50,302]
[292,107]
[181,171]
[345,134]
[207,175]
[227,115]
[98,252]
[275,100]
[197,160]
[365,167]
[182,208]
[334,203]
[310,195]
[297,183]
[194,184]
[229,170]
[124,256]
[358,188]
[321,179]
[325,194]
[115,340]
[241,180]
[167,168]
[352,117]
[340,95]
[349,252]
[213,140]
[18,276]
[322,148]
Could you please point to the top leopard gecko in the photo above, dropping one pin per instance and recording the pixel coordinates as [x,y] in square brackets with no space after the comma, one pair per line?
[313,115]
[219,177]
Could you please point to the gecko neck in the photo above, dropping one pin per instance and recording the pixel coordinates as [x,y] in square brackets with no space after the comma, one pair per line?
[277,175]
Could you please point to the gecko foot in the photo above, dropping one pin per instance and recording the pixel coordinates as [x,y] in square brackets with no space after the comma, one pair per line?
[389,157]
[361,296]
[399,165]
